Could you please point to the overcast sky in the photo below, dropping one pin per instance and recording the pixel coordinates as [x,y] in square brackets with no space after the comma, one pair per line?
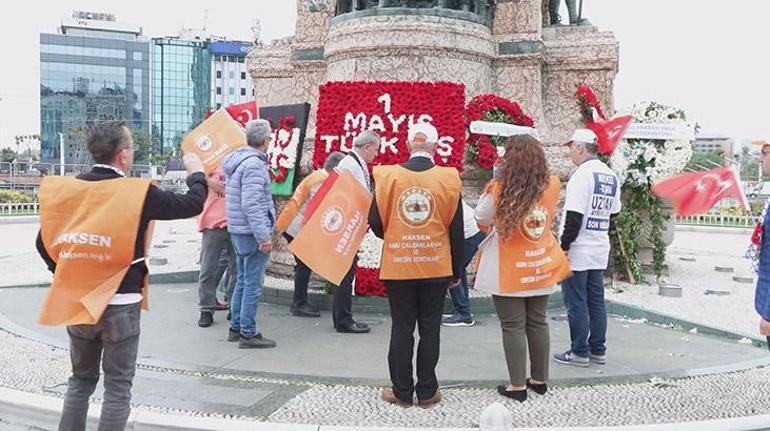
[709,57]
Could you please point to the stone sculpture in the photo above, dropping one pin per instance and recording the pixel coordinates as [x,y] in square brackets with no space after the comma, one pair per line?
[574,13]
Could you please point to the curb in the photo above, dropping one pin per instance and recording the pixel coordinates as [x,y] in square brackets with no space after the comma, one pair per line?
[19,219]
[635,312]
[713,229]
[42,412]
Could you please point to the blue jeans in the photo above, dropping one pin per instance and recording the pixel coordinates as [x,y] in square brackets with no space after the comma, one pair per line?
[584,298]
[251,263]
[460,300]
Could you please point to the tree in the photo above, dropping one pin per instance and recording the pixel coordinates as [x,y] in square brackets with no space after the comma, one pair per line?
[749,164]
[699,161]
[145,145]
[77,137]
[7,155]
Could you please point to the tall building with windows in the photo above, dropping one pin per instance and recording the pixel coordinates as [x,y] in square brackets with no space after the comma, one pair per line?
[230,79]
[181,81]
[93,69]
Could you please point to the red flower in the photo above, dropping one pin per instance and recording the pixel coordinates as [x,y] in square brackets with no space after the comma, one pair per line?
[366,103]
[368,282]
[478,109]
[588,100]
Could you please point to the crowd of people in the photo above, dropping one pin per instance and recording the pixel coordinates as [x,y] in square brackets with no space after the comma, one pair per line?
[430,237]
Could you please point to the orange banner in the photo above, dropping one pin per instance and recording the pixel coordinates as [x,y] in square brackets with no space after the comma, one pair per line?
[213,139]
[329,240]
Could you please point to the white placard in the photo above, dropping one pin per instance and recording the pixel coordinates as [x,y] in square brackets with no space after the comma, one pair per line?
[660,131]
[501,129]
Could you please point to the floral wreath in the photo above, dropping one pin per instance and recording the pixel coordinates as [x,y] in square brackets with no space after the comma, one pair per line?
[282,149]
[484,149]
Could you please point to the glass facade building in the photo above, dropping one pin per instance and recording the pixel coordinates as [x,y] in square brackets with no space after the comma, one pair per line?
[90,73]
[181,82]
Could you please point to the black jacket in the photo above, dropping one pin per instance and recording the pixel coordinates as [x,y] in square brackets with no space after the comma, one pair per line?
[456,232]
[158,205]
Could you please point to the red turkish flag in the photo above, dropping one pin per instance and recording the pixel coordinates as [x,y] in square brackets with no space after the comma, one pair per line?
[244,112]
[697,192]
[609,133]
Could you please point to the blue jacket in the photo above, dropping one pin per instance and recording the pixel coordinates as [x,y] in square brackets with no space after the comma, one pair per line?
[762,297]
[249,203]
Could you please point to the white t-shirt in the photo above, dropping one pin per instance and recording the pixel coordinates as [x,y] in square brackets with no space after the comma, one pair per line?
[469,221]
[594,191]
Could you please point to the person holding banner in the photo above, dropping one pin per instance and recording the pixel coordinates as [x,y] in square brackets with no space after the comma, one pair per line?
[215,243]
[289,223]
[417,212]
[366,147]
[94,235]
[592,200]
[250,221]
[521,261]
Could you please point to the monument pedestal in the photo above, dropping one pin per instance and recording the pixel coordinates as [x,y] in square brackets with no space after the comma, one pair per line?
[506,51]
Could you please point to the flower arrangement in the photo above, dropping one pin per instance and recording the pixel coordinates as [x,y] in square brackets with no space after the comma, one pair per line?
[639,164]
[484,149]
[282,149]
[388,108]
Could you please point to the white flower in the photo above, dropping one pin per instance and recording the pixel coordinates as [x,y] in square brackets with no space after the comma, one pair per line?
[370,252]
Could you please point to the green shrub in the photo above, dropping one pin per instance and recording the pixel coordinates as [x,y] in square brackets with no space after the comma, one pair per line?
[15,197]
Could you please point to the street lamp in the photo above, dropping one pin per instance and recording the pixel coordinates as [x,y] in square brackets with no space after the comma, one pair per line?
[61,154]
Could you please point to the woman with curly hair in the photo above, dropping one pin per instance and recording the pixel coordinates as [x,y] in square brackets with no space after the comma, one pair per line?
[521,260]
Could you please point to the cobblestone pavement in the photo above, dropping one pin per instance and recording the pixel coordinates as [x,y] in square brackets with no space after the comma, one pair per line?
[40,368]
[733,313]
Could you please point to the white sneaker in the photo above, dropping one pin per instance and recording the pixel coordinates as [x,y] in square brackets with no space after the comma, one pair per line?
[598,359]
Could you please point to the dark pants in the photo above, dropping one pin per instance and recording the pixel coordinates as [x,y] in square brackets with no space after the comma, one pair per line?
[584,298]
[524,324]
[113,341]
[214,243]
[421,304]
[301,278]
[768,343]
[342,314]
[460,296]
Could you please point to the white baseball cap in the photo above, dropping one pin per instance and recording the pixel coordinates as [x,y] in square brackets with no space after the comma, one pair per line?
[583,136]
[429,133]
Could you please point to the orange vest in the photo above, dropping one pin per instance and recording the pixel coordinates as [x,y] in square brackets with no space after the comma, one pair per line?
[89,229]
[298,199]
[531,258]
[416,209]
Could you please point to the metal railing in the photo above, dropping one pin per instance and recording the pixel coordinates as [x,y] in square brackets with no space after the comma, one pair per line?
[20,209]
[719,220]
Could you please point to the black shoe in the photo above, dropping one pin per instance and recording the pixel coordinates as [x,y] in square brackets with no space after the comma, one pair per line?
[458,320]
[305,310]
[516,395]
[233,336]
[229,314]
[353,328]
[255,342]
[540,388]
[206,319]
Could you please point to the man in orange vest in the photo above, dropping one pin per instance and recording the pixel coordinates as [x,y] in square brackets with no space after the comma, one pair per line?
[417,212]
[93,238]
[291,220]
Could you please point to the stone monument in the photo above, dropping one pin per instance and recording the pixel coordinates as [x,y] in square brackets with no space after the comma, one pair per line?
[500,47]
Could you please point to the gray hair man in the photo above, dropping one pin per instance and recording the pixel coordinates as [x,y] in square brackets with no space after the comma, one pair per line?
[113,341]
[366,147]
[591,203]
[419,201]
[250,222]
